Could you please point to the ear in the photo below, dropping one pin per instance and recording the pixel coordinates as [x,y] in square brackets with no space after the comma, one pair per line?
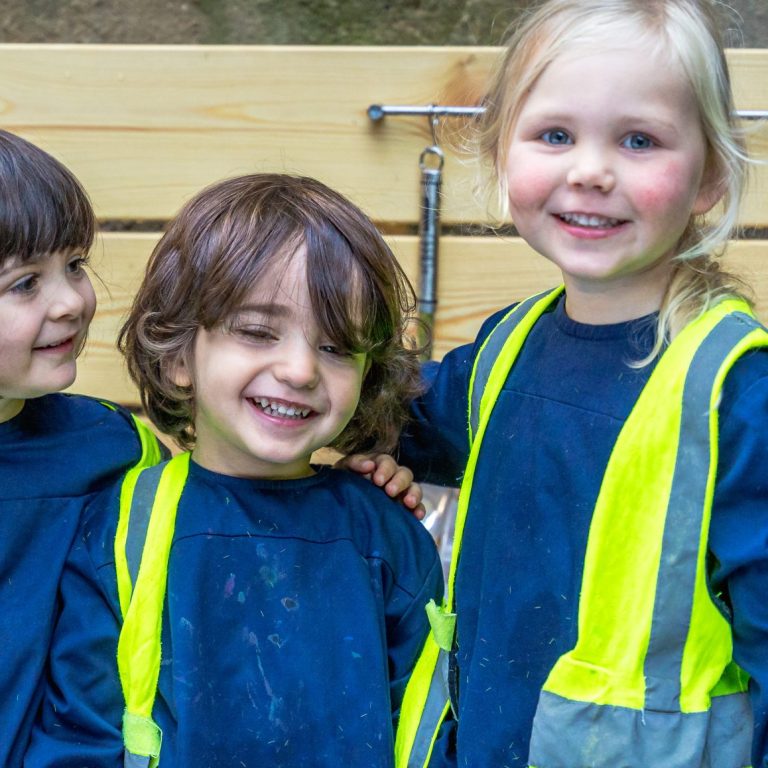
[179,373]
[711,191]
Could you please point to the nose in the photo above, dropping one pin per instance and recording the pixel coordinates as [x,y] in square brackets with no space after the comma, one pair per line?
[298,365]
[67,300]
[590,169]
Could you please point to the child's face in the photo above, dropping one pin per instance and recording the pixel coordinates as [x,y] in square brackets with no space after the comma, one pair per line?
[605,168]
[46,306]
[270,388]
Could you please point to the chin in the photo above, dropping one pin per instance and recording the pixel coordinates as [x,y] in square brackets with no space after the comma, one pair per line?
[57,385]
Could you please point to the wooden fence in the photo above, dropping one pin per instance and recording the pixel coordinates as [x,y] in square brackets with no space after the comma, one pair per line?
[145,127]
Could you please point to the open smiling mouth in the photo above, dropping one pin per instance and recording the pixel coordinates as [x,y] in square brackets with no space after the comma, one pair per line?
[274,408]
[52,347]
[589,220]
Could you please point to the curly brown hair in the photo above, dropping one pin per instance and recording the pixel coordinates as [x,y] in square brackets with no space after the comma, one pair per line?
[218,247]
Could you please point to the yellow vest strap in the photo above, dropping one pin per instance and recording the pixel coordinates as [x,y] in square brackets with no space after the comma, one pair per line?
[524,314]
[151,452]
[148,504]
[443,624]
[425,705]
[145,739]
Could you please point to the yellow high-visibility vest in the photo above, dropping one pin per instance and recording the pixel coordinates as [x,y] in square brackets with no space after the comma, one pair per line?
[149,499]
[650,681]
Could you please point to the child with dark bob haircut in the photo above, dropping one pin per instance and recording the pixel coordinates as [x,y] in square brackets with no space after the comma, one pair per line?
[56,449]
[288,598]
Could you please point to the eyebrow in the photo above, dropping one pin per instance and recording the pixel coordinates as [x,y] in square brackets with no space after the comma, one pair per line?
[13,264]
[647,122]
[273,310]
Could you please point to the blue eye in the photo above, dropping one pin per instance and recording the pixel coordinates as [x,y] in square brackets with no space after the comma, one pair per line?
[637,141]
[556,137]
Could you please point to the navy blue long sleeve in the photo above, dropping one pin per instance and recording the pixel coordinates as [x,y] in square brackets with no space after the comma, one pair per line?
[537,480]
[54,455]
[294,616]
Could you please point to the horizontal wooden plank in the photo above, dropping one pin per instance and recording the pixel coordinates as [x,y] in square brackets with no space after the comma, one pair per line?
[477,275]
[145,127]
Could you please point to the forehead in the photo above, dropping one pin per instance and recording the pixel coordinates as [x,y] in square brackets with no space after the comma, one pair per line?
[282,281]
[309,287]
[635,78]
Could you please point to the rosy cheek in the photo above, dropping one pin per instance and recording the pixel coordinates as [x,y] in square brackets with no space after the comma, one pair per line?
[651,198]
[527,184]
[662,190]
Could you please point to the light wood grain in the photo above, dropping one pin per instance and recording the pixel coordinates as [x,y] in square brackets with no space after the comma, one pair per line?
[145,127]
[477,276]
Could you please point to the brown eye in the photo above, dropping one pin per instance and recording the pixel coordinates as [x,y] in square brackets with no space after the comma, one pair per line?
[77,265]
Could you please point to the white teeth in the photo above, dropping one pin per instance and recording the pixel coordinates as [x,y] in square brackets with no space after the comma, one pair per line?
[272,408]
[584,220]
[53,344]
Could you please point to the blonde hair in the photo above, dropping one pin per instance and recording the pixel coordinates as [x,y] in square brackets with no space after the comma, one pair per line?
[687,33]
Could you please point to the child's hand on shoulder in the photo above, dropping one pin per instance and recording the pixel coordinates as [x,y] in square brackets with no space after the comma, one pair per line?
[396,481]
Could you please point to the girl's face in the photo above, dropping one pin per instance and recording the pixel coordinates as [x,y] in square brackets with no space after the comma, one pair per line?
[606,166]
[46,306]
[270,388]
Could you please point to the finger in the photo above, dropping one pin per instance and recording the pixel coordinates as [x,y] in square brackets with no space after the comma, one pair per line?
[412,496]
[386,470]
[359,462]
[401,482]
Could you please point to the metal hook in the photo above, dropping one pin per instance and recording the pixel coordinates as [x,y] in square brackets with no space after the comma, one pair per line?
[434,122]
[432,158]
[435,154]
[377,112]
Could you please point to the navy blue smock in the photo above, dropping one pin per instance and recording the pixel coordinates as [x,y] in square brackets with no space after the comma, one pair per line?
[294,615]
[536,483]
[58,451]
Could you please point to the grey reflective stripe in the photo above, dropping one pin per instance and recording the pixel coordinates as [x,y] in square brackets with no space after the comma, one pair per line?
[432,716]
[490,352]
[729,736]
[135,761]
[141,511]
[682,528]
[602,736]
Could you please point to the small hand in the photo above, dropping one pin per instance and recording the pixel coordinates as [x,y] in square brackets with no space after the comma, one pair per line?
[382,470]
